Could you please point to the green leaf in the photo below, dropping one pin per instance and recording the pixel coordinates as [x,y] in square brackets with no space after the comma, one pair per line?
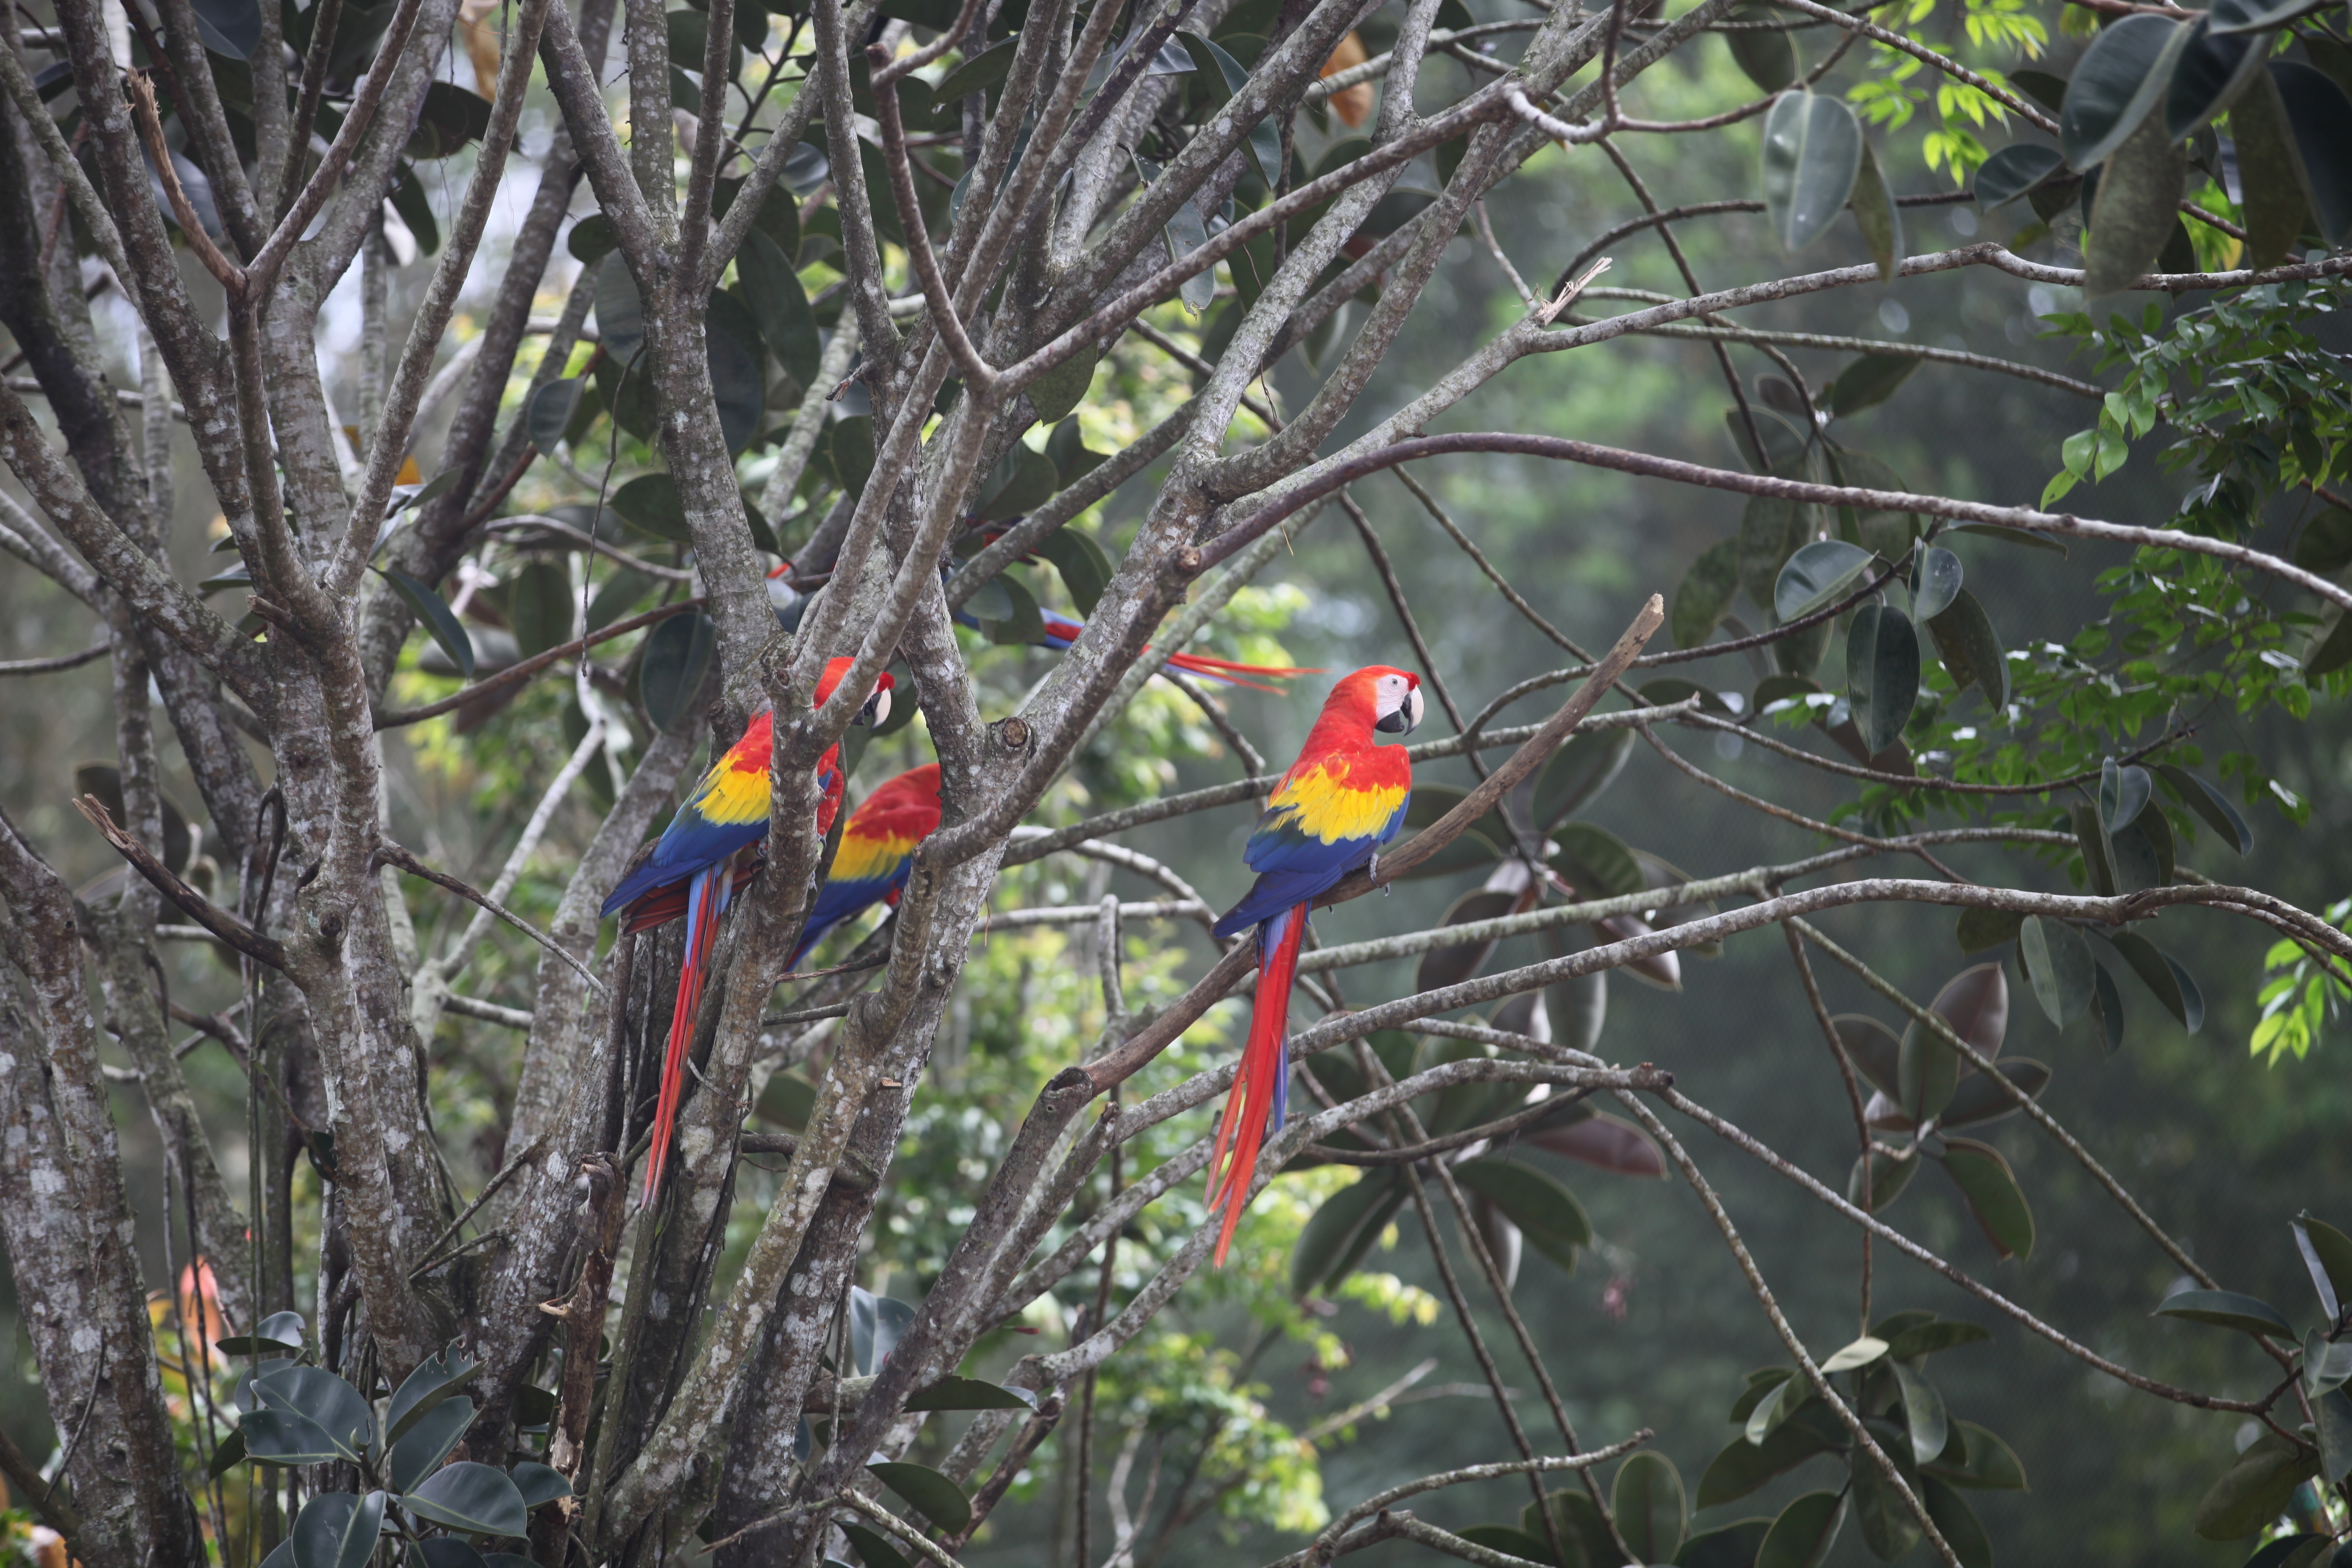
[275,1436]
[1925,1421]
[739,382]
[875,1549]
[1732,1545]
[953,1393]
[334,1406]
[2327,1256]
[1546,1212]
[620,313]
[430,609]
[231,28]
[2117,81]
[1867,382]
[1761,1383]
[1813,152]
[976,73]
[2107,1002]
[850,446]
[1978,1460]
[1337,1234]
[1958,1523]
[1577,1521]
[1860,1354]
[1882,674]
[622,592]
[670,674]
[1980,929]
[1026,624]
[539,608]
[1086,571]
[1923,1339]
[934,1496]
[2013,170]
[337,1530]
[1595,862]
[1442,966]
[1577,774]
[1889,1174]
[538,1484]
[1929,1070]
[2153,971]
[650,504]
[591,238]
[2320,117]
[2254,1490]
[2135,210]
[1766,54]
[421,1390]
[2060,964]
[1743,1466]
[1880,220]
[450,117]
[551,408]
[876,1324]
[428,1441]
[2254,16]
[2123,795]
[1022,480]
[2297,1550]
[1888,1529]
[1804,1532]
[1652,1511]
[2214,67]
[2325,1367]
[781,304]
[2270,174]
[2229,1309]
[2098,858]
[1705,594]
[1993,1195]
[1511,1542]
[1873,1048]
[2332,1414]
[2210,805]
[1056,394]
[1817,573]
[1979,1100]
[472,1498]
[1936,576]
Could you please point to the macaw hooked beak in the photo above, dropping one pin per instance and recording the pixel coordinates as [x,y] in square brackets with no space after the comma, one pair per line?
[1406,720]
[877,710]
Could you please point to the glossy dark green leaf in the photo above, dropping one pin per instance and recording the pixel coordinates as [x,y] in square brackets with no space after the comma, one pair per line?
[454,1552]
[539,1483]
[1980,929]
[1929,1070]
[2155,972]
[1026,624]
[677,656]
[934,1496]
[778,216]
[1705,594]
[2319,115]
[875,1549]
[2123,793]
[2332,1412]
[434,611]
[1817,573]
[1577,774]
[2059,961]
[429,1439]
[1596,861]
[322,1398]
[1783,452]
[2329,647]
[2013,170]
[1874,1049]
[2098,858]
[228,1455]
[1443,966]
[2296,1551]
[850,446]
[551,408]
[2019,536]
[1813,152]
[2107,1005]
[620,312]
[2252,1491]
[1743,1466]
[2136,209]
[2209,804]
[1958,1523]
[1338,1235]
[2120,77]
[450,118]
[969,1393]
[1925,1421]
[1085,570]
[622,592]
[1867,382]
[1577,1521]
[1266,137]
[231,28]
[1978,1460]
[976,73]
[2213,68]
[2270,174]
[650,504]
[773,291]
[1880,220]
[472,1498]
[1804,1533]
[337,1530]
[1921,1338]
[1546,1212]
[1732,1545]
[2327,1255]
[1056,395]
[1507,1541]
[1882,674]
[1022,480]
[1888,1530]
[1889,1174]
[1484,839]
[1936,576]
[2254,16]
[739,382]
[591,237]
[875,1324]
[1761,1385]
[539,608]
[1652,1510]
[1605,1143]
[421,1390]
[2229,1309]
[1766,54]
[275,1436]
[1979,1100]
[1993,1195]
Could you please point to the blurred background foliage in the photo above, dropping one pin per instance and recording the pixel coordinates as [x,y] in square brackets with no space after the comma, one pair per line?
[1243,1400]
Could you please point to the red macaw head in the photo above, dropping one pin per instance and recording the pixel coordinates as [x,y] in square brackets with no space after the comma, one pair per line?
[1393,696]
[876,707]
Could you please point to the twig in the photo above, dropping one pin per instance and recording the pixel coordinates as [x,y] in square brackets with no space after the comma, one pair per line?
[523,671]
[203,911]
[49,666]
[389,853]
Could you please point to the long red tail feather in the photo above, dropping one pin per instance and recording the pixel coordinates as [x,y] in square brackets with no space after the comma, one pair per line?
[704,904]
[1235,673]
[1258,1086]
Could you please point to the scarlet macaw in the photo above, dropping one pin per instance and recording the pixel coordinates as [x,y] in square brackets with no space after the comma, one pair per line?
[688,873]
[1339,804]
[878,850]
